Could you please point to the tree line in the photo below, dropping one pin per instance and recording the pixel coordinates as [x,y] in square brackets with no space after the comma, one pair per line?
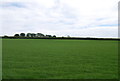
[42,36]
[33,35]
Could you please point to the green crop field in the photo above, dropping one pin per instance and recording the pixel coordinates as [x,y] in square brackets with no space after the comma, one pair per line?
[59,59]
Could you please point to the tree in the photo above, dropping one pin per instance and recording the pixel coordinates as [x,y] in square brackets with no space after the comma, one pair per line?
[48,35]
[16,35]
[22,34]
[54,36]
[68,36]
[28,35]
[5,36]
[40,35]
[33,35]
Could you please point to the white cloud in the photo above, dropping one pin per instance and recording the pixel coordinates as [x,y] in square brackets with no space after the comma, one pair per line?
[96,18]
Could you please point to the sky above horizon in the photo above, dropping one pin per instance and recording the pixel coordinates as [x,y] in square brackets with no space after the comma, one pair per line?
[76,18]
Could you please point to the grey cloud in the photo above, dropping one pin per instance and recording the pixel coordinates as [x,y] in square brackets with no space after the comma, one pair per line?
[58,18]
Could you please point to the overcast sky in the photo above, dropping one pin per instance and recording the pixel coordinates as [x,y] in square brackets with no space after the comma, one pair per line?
[79,18]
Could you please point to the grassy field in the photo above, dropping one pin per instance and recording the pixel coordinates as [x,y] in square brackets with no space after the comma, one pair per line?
[60,59]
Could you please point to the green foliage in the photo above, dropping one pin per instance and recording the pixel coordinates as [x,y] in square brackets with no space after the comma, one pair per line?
[33,35]
[40,35]
[59,59]
[5,36]
[28,35]
[22,34]
[16,35]
[54,36]
[48,35]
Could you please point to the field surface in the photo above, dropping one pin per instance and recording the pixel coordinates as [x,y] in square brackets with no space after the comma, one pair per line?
[59,59]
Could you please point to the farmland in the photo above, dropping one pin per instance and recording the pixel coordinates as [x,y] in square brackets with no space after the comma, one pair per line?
[59,59]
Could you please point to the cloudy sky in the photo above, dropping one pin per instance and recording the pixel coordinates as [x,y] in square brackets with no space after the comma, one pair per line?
[77,18]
